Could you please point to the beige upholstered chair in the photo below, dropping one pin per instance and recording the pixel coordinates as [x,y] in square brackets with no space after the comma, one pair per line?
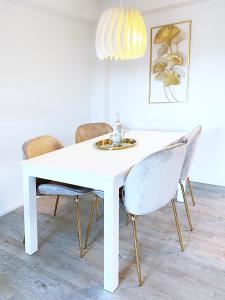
[91,130]
[40,145]
[86,132]
[45,144]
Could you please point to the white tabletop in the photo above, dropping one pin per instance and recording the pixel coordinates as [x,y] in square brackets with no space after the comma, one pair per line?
[85,159]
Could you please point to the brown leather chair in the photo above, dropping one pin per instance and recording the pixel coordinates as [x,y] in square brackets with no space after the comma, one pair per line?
[45,144]
[91,130]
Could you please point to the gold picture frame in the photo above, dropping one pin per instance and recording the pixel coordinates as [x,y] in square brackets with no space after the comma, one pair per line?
[170,47]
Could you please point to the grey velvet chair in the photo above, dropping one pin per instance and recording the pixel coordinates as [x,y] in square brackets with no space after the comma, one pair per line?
[192,139]
[151,185]
[45,144]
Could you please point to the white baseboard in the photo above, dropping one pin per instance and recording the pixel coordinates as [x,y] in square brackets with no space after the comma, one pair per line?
[8,210]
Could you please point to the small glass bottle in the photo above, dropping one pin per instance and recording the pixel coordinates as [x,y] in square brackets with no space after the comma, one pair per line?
[116,136]
[117,124]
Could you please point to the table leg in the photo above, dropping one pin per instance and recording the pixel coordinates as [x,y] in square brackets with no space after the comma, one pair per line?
[111,237]
[30,214]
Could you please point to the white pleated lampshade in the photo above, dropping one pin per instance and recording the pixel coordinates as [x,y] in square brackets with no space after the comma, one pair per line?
[121,34]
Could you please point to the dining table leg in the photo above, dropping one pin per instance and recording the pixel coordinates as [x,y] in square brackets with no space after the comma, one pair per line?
[30,214]
[111,236]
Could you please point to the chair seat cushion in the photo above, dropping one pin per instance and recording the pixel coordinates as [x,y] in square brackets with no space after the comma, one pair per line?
[99,193]
[121,196]
[62,189]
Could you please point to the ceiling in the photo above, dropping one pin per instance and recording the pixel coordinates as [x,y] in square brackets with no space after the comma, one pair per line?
[148,5]
[89,10]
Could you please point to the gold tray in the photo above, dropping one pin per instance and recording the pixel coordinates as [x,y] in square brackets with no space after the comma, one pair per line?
[107,144]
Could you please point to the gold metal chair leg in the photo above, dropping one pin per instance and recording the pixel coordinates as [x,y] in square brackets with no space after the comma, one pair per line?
[78,226]
[191,191]
[137,252]
[186,206]
[56,205]
[177,225]
[94,204]
[128,219]
[97,209]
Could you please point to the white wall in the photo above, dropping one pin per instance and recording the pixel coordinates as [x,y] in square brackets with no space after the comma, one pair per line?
[84,10]
[44,86]
[128,88]
[100,84]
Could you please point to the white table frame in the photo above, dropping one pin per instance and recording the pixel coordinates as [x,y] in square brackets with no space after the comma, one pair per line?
[55,166]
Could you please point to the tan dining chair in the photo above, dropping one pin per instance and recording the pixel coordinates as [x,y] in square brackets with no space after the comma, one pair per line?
[86,132]
[42,145]
[91,130]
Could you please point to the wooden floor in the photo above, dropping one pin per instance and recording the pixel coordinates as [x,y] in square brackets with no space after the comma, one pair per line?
[57,272]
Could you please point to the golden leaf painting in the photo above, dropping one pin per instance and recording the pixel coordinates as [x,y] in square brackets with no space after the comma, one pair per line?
[159,67]
[166,34]
[166,67]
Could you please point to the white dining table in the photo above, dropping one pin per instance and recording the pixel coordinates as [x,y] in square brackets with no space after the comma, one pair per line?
[84,165]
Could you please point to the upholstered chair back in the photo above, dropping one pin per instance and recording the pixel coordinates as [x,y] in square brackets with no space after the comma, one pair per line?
[91,130]
[40,145]
[153,182]
[192,140]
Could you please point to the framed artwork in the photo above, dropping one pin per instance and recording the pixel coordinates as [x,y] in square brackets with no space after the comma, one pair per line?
[169,63]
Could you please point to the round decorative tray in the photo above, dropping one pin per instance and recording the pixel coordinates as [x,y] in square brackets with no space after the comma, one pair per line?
[108,145]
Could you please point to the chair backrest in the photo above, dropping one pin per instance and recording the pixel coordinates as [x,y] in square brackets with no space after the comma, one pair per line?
[40,145]
[153,182]
[91,130]
[192,140]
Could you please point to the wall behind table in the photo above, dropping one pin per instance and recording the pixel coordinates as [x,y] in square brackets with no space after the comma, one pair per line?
[128,88]
[44,86]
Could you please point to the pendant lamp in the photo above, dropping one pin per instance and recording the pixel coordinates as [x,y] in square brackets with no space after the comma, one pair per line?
[121,34]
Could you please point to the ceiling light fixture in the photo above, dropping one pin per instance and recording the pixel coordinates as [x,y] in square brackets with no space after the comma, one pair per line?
[121,34]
